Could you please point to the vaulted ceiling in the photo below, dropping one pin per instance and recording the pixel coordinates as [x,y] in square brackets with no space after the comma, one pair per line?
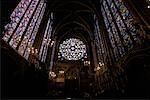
[73,17]
[76,16]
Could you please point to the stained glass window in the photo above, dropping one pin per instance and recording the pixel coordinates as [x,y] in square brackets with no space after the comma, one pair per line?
[15,18]
[25,21]
[72,49]
[118,22]
[128,19]
[32,38]
[98,41]
[30,29]
[114,38]
[23,24]
[46,39]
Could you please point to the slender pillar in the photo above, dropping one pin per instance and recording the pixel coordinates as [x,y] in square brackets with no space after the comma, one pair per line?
[52,55]
[94,54]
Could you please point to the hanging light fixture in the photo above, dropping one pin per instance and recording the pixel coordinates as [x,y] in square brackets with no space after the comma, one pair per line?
[100,66]
[52,74]
[33,51]
[61,72]
[86,63]
[52,43]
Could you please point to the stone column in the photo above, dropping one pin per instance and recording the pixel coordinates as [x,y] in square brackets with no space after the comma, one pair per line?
[52,54]
[94,54]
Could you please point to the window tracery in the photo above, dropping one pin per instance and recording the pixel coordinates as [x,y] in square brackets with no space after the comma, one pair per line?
[119,23]
[20,33]
[72,49]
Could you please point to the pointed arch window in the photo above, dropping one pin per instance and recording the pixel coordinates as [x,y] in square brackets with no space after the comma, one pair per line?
[15,17]
[98,41]
[118,21]
[34,32]
[46,39]
[28,34]
[20,33]
[23,24]
[128,19]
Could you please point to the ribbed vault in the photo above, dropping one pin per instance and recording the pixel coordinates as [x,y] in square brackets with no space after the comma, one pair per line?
[73,15]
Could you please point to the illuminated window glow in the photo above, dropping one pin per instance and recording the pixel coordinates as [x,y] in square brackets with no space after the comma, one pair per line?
[46,39]
[119,23]
[15,18]
[72,49]
[23,24]
[30,29]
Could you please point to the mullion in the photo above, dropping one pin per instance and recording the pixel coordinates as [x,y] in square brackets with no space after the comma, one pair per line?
[33,29]
[99,39]
[124,22]
[109,27]
[119,33]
